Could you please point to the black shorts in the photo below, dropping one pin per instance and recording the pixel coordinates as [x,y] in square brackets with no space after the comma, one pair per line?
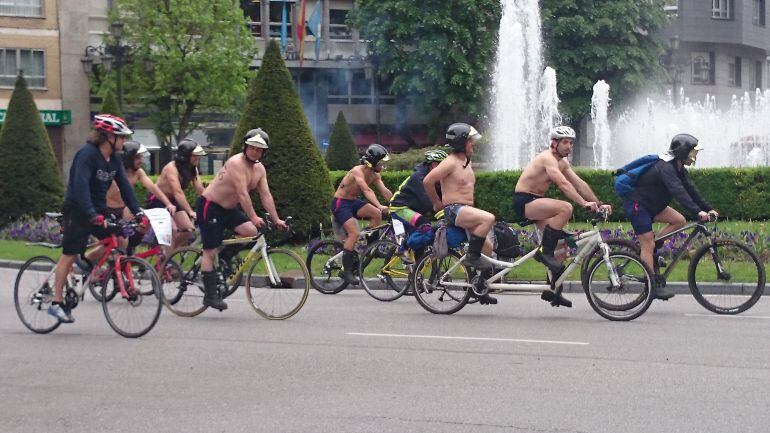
[115,213]
[520,200]
[155,203]
[214,219]
[77,229]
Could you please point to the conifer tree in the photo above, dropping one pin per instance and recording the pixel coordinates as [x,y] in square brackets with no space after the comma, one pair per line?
[342,153]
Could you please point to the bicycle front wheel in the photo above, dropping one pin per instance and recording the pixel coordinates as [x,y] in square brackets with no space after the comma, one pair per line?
[284,297]
[382,271]
[33,294]
[324,262]
[133,311]
[183,283]
[429,278]
[631,292]
[726,277]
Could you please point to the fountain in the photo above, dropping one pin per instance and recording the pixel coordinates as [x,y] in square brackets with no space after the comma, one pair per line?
[600,104]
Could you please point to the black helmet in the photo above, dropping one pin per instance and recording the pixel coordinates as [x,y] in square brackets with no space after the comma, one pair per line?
[457,134]
[131,148]
[374,154]
[186,149]
[682,145]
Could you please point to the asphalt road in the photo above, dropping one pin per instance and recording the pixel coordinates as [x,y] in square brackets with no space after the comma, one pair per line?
[347,363]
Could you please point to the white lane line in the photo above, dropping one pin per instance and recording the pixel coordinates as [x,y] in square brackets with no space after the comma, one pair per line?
[733,316]
[447,337]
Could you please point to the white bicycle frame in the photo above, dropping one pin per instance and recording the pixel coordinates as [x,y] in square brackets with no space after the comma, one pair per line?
[586,242]
[260,245]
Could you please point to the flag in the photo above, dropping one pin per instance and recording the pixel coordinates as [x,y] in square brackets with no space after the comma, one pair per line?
[301,31]
[314,26]
[283,28]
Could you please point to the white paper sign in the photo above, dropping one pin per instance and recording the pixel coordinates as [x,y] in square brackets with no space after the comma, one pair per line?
[160,220]
[398,227]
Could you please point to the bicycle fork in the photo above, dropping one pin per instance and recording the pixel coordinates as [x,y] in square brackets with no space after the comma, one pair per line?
[613,273]
[721,273]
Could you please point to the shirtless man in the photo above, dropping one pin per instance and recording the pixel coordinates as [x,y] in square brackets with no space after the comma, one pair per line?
[173,180]
[550,215]
[218,207]
[347,207]
[457,187]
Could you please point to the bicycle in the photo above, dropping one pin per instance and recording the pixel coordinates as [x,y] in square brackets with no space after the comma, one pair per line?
[390,262]
[277,282]
[324,259]
[725,276]
[132,278]
[445,285]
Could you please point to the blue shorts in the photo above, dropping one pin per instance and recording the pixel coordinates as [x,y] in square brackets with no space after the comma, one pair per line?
[640,218]
[344,209]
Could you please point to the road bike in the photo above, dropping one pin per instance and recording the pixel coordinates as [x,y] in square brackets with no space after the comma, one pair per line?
[130,289]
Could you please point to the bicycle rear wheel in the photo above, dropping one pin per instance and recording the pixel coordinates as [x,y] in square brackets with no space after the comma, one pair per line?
[726,277]
[382,271]
[183,283]
[135,312]
[324,262]
[33,294]
[284,298]
[434,296]
[627,300]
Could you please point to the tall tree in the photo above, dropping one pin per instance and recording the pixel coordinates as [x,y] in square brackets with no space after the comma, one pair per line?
[439,53]
[614,41]
[296,173]
[110,104]
[342,153]
[30,181]
[188,57]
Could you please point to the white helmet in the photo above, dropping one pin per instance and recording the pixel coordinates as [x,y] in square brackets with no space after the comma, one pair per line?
[562,132]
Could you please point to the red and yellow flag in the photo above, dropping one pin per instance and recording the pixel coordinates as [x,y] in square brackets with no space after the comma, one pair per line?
[301,31]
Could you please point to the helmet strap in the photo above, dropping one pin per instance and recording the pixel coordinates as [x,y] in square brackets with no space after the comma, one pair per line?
[467,161]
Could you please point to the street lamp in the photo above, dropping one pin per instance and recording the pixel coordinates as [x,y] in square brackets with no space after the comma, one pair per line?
[675,63]
[108,55]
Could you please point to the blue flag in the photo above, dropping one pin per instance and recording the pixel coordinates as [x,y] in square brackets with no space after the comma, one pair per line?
[314,26]
[283,28]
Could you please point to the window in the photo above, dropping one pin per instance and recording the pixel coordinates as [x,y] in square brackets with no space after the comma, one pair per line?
[30,61]
[349,86]
[28,8]
[276,12]
[671,7]
[338,29]
[720,9]
[702,68]
[734,72]
[755,77]
[252,10]
[758,17]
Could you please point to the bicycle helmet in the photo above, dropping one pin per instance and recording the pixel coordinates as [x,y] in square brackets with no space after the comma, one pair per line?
[681,146]
[374,154]
[109,124]
[562,132]
[458,133]
[435,155]
[257,138]
[187,148]
[130,150]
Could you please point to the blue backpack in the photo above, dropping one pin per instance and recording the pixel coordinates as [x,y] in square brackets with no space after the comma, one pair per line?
[629,175]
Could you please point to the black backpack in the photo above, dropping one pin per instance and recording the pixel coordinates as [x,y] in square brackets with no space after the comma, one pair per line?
[507,241]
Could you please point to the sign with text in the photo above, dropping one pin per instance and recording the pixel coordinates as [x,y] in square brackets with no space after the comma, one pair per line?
[49,117]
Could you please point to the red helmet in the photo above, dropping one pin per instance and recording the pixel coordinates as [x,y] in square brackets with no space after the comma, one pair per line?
[110,124]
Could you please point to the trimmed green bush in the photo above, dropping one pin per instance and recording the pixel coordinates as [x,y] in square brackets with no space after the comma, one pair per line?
[296,172]
[342,153]
[110,104]
[30,181]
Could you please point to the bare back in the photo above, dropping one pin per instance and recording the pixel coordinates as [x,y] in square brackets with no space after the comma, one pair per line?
[349,188]
[535,178]
[223,190]
[459,183]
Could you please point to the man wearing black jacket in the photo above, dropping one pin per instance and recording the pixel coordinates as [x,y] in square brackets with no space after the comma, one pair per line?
[663,182]
[410,203]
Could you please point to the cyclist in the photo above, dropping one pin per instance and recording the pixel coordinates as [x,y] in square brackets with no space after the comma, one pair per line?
[93,170]
[347,208]
[457,182]
[175,177]
[551,215]
[410,203]
[666,180]
[226,204]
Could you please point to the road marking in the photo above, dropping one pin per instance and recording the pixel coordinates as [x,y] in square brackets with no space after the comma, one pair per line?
[733,316]
[447,337]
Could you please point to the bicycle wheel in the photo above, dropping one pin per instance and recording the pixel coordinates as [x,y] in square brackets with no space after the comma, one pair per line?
[431,294]
[183,283]
[631,297]
[382,271]
[324,262]
[33,294]
[102,274]
[135,312]
[615,244]
[281,299]
[726,276]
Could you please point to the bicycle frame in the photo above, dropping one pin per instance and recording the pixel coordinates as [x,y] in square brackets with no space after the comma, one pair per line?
[586,243]
[260,247]
[362,235]
[698,228]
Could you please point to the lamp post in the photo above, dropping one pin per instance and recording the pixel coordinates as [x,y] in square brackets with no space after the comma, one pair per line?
[675,64]
[110,55]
